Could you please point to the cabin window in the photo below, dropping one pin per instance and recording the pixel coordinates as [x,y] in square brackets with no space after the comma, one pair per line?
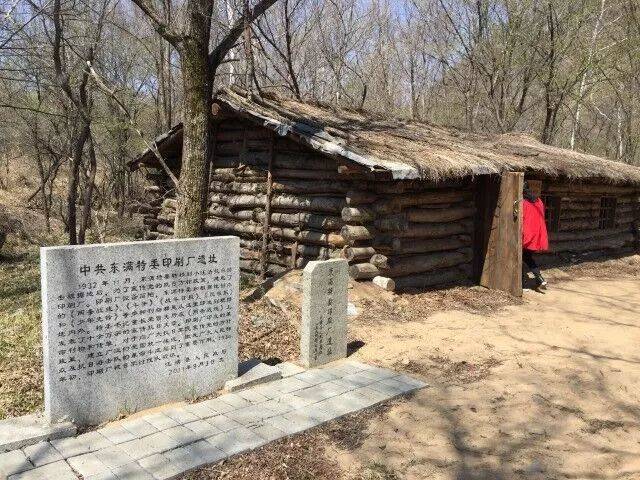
[607,212]
[552,212]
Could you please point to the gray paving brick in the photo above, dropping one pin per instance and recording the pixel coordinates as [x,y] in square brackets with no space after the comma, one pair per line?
[343,368]
[268,432]
[205,451]
[237,440]
[85,443]
[315,376]
[252,396]
[139,427]
[103,476]
[391,389]
[372,396]
[235,400]
[314,394]
[277,407]
[159,421]
[269,390]
[131,471]
[292,422]
[316,414]
[411,381]
[181,415]
[201,410]
[223,423]
[358,379]
[250,415]
[294,401]
[182,435]
[160,467]
[150,445]
[378,374]
[13,462]
[291,384]
[203,429]
[88,464]
[336,406]
[42,453]
[218,406]
[184,459]
[52,471]
[116,434]
[114,456]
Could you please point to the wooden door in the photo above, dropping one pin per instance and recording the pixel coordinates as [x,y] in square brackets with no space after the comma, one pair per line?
[498,249]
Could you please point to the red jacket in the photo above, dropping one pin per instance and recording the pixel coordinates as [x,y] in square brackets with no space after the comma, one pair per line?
[534,229]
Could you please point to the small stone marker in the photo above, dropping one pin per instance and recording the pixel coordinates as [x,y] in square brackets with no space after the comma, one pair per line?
[323,333]
[128,326]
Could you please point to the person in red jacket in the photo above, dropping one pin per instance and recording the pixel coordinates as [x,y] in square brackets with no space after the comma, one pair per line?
[534,232]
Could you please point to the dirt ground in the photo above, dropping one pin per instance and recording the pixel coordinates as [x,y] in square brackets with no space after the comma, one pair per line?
[545,389]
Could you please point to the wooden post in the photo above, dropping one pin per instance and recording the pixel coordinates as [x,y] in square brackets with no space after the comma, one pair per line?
[267,210]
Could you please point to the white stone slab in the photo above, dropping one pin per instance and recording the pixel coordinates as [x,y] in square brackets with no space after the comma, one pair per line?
[323,333]
[129,326]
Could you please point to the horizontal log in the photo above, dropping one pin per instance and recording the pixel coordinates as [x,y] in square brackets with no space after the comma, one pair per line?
[436,230]
[308,251]
[297,161]
[150,221]
[587,234]
[363,271]
[379,260]
[401,266]
[163,236]
[285,202]
[619,241]
[355,233]
[302,220]
[359,214]
[165,229]
[296,187]
[384,283]
[406,247]
[398,202]
[358,253]
[392,223]
[433,215]
[360,197]
[170,203]
[437,278]
[585,188]
[256,230]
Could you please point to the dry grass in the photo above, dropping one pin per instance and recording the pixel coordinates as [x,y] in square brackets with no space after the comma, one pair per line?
[21,374]
[436,153]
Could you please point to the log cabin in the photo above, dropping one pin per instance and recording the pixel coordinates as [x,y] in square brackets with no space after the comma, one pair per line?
[409,204]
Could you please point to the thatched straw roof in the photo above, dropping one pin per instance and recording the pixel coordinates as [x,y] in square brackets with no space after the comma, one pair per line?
[409,149]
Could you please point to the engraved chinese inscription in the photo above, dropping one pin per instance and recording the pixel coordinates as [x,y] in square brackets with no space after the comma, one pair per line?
[129,326]
[324,312]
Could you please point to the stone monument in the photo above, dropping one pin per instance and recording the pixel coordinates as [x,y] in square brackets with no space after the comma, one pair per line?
[323,333]
[127,326]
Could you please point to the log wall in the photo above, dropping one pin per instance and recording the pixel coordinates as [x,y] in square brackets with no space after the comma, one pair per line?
[579,229]
[289,205]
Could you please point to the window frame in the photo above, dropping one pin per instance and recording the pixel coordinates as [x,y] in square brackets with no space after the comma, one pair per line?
[608,210]
[552,211]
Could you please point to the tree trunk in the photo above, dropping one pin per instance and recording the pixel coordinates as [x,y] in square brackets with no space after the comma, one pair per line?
[197,89]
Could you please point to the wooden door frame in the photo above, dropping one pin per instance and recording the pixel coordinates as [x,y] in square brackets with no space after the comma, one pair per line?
[498,230]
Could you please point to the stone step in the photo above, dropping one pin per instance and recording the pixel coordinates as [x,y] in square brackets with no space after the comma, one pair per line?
[18,432]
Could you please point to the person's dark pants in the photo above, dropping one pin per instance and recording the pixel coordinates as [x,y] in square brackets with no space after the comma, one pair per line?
[527,258]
